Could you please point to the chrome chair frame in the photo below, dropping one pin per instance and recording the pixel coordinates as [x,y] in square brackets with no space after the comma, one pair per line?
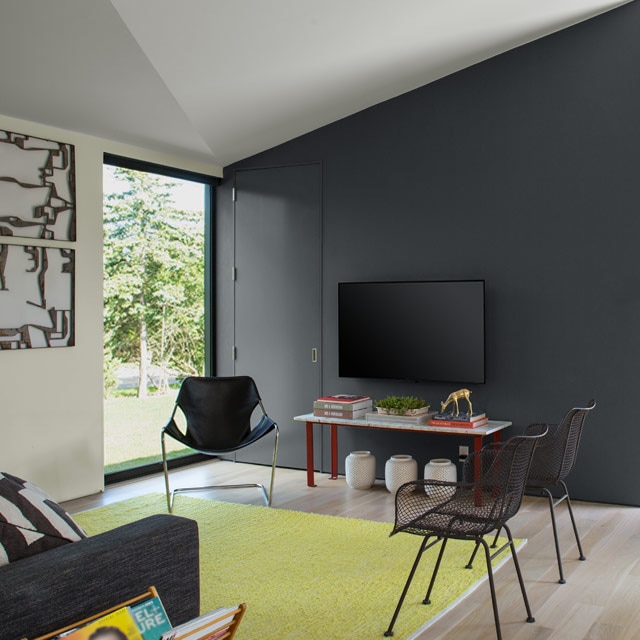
[265,425]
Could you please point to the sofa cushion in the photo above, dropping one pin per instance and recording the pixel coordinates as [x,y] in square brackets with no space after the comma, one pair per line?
[30,521]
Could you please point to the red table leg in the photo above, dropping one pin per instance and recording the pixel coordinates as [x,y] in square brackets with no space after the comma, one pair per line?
[477,445]
[334,452]
[311,481]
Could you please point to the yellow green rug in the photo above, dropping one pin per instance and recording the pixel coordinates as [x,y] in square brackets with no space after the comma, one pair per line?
[307,576]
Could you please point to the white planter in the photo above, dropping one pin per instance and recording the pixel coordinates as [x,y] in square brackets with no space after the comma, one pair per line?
[441,469]
[360,469]
[411,412]
[399,469]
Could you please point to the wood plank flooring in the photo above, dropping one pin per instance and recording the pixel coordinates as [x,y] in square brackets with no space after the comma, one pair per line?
[600,601]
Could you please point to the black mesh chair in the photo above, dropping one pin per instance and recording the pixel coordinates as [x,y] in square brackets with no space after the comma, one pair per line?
[218,414]
[468,510]
[552,462]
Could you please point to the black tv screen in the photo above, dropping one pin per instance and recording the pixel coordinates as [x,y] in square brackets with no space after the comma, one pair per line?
[430,331]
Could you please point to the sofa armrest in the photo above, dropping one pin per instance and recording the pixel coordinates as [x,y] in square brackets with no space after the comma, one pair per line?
[58,587]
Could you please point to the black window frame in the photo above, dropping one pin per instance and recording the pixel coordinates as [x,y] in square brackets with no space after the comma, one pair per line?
[211,182]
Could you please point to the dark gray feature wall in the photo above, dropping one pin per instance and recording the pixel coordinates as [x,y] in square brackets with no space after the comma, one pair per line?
[522,171]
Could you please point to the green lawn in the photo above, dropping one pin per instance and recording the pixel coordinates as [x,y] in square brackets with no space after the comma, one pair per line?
[132,430]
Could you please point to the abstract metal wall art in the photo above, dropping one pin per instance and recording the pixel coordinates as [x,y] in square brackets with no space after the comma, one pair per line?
[36,297]
[37,188]
[37,202]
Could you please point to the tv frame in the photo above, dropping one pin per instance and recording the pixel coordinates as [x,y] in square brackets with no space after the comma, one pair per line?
[477,377]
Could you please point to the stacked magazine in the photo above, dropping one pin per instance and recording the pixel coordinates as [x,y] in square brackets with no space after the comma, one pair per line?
[144,618]
[215,625]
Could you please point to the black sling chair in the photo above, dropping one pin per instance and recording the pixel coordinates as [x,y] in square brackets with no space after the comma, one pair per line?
[218,415]
[490,494]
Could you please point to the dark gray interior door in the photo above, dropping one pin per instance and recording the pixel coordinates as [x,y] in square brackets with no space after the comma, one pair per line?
[278,298]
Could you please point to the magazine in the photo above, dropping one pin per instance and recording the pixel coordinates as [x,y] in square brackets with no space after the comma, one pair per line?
[117,625]
[209,626]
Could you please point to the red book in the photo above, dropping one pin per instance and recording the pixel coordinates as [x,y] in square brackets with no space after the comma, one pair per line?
[458,424]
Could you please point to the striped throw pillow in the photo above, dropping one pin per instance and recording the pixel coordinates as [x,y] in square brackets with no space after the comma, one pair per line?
[30,521]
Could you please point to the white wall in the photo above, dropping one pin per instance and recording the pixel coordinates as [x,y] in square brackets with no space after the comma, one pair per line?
[51,419]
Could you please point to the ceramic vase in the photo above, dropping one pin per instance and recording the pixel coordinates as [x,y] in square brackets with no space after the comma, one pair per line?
[399,469]
[360,469]
[441,469]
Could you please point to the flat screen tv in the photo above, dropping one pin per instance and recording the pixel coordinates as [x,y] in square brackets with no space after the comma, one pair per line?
[429,331]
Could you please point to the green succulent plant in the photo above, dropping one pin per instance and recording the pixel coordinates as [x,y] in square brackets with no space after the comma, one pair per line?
[400,404]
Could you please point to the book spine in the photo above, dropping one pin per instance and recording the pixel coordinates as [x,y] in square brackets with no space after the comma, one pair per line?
[458,424]
[344,399]
[343,406]
[445,417]
[340,413]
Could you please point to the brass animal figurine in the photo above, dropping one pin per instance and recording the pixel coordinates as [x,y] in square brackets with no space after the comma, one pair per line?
[454,397]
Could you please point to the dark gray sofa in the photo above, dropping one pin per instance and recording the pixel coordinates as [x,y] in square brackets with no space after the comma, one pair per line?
[58,587]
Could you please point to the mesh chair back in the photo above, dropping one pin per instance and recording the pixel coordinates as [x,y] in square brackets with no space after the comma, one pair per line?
[217,410]
[556,454]
[503,474]
[477,507]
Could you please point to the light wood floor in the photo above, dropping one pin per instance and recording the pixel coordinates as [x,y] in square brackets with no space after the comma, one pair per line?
[600,601]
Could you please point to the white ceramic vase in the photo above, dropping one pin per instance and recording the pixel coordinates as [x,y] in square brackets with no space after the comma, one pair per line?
[399,469]
[360,469]
[441,469]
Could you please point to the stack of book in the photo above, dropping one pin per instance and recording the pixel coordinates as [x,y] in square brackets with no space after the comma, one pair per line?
[461,421]
[342,406]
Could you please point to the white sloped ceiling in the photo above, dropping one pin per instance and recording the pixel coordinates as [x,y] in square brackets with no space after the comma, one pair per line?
[219,80]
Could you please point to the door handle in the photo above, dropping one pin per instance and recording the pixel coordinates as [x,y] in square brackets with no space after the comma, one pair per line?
[314,355]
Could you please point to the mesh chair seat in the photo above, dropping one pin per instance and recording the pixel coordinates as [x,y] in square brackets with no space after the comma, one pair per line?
[468,513]
[218,412]
[468,510]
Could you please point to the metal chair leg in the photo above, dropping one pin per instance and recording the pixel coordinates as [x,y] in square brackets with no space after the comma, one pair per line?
[273,465]
[514,556]
[416,562]
[573,521]
[469,564]
[553,503]
[492,586]
[489,557]
[166,474]
[427,598]
[554,527]
[267,496]
[494,544]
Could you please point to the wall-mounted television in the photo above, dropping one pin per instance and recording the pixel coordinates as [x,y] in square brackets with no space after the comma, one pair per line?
[428,331]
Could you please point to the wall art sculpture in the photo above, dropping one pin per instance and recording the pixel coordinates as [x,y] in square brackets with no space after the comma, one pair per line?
[37,188]
[36,297]
[37,203]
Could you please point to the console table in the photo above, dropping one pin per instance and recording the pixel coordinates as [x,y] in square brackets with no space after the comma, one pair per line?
[493,428]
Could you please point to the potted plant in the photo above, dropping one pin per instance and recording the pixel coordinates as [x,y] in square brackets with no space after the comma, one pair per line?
[401,406]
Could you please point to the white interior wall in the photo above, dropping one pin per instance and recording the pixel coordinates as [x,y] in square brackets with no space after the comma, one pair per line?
[51,424]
